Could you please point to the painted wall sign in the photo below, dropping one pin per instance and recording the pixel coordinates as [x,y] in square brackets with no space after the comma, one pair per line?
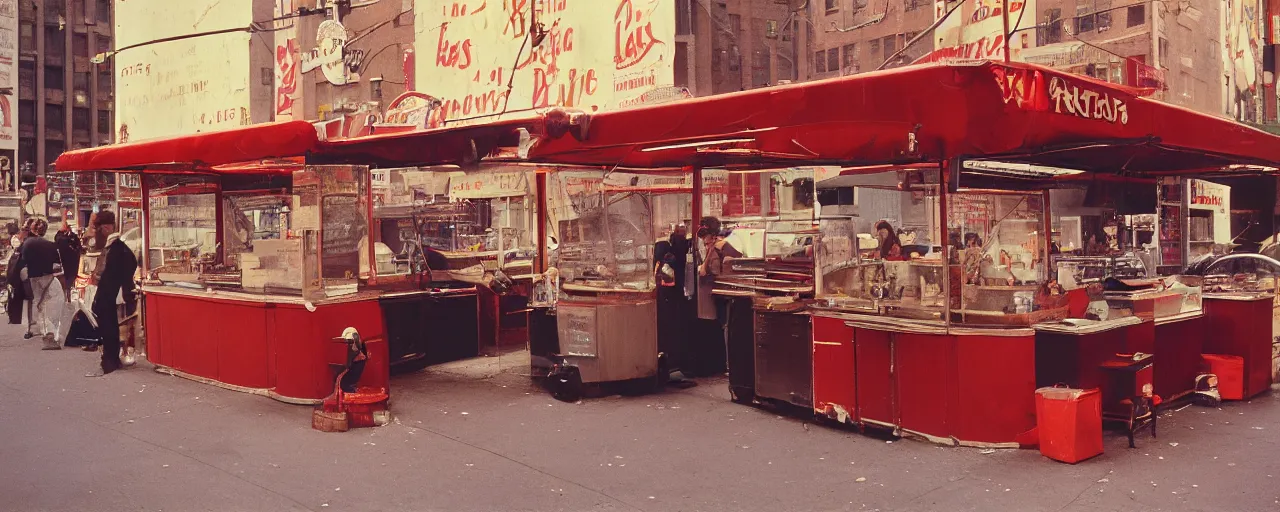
[9,74]
[411,109]
[1085,102]
[288,61]
[975,31]
[328,55]
[187,85]
[489,185]
[595,55]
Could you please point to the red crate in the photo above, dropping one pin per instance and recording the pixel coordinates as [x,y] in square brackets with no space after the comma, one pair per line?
[1070,423]
[1230,372]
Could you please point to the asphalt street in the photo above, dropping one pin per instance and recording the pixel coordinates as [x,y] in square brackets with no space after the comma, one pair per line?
[138,440]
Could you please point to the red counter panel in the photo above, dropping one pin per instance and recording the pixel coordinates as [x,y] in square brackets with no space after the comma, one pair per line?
[834,382]
[280,347]
[1177,349]
[1242,328]
[995,387]
[874,362]
[925,376]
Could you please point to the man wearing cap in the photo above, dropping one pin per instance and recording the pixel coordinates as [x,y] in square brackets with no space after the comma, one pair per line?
[115,282]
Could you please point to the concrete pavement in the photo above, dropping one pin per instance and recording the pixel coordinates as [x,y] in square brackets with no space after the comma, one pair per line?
[137,440]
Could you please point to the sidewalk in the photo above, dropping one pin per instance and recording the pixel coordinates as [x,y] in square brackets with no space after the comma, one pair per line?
[139,440]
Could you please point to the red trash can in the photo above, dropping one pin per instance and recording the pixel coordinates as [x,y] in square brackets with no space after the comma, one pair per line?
[1070,423]
[1230,372]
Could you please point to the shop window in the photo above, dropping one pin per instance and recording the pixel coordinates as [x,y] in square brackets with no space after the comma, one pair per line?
[1136,15]
[104,122]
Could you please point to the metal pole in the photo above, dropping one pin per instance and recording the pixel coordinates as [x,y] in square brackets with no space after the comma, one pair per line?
[1004,11]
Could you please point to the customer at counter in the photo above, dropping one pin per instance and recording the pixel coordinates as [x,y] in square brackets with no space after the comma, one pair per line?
[890,245]
[712,316]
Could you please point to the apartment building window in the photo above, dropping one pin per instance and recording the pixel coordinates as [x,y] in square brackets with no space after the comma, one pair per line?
[833,59]
[859,3]
[1085,21]
[1136,16]
[27,112]
[53,148]
[820,61]
[77,12]
[27,37]
[80,120]
[26,149]
[80,84]
[851,57]
[761,67]
[27,76]
[911,5]
[53,77]
[80,45]
[1164,53]
[104,11]
[1051,29]
[54,41]
[831,5]
[684,17]
[53,117]
[1103,10]
[890,46]
[104,122]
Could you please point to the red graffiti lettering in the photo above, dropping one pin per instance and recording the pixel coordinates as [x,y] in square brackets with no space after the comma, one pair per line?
[632,36]
[579,86]
[461,9]
[452,55]
[548,54]
[517,22]
[488,103]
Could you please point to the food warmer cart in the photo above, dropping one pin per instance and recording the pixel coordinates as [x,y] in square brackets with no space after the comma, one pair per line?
[252,259]
[933,353]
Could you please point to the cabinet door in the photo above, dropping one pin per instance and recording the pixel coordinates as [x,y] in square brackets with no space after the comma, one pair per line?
[784,352]
[834,386]
[923,374]
[873,363]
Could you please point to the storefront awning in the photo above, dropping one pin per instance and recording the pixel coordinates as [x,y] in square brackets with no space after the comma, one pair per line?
[1017,112]
[222,152]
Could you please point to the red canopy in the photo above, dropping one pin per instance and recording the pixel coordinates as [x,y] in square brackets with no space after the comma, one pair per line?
[202,152]
[1013,112]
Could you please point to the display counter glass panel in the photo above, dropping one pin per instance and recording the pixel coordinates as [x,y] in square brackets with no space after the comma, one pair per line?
[602,230]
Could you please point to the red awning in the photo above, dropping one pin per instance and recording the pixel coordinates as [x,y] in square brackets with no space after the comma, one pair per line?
[929,113]
[202,152]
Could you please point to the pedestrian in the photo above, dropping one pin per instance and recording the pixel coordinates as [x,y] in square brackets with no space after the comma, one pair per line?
[713,315]
[27,294]
[115,285]
[13,276]
[40,260]
[69,250]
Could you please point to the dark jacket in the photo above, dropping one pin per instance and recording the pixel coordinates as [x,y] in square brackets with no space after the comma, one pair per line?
[117,276]
[69,250]
[38,257]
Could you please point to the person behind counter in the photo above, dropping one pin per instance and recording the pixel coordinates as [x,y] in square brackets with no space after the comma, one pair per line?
[712,315]
[890,245]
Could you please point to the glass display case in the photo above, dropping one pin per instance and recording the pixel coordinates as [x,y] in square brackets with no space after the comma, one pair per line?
[469,221]
[303,234]
[1003,260]
[880,245]
[602,230]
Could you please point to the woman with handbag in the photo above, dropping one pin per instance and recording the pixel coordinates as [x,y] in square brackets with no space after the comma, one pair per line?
[13,277]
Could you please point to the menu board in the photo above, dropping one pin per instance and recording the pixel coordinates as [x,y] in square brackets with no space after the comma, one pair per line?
[577,330]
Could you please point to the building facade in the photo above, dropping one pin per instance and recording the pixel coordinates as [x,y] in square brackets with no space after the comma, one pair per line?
[64,98]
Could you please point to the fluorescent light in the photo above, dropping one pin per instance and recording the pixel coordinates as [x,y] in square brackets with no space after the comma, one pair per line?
[698,144]
[1019,170]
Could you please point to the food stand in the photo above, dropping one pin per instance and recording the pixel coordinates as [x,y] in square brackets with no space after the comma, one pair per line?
[252,259]
[943,341]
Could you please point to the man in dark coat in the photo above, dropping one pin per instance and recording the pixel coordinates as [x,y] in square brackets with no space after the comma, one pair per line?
[116,281]
[69,250]
[40,259]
